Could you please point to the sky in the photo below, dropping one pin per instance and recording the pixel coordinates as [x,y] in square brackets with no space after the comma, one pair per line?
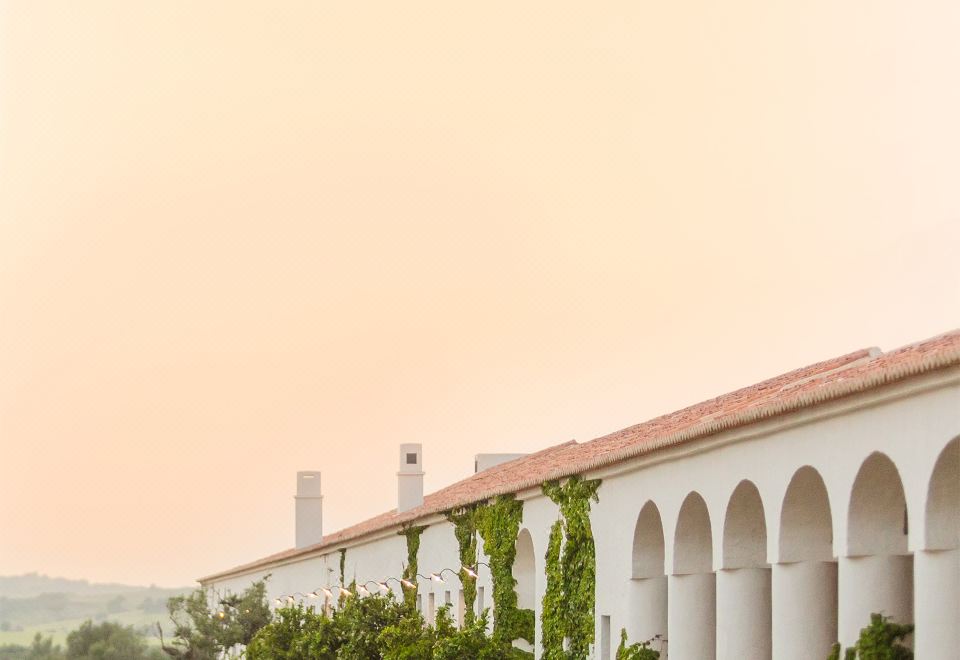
[241,239]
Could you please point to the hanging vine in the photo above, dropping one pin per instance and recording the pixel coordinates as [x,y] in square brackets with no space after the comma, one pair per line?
[412,535]
[343,563]
[571,570]
[498,524]
[465,530]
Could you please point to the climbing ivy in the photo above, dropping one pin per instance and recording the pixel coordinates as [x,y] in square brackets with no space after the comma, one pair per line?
[465,530]
[551,627]
[498,523]
[569,614]
[410,570]
[343,564]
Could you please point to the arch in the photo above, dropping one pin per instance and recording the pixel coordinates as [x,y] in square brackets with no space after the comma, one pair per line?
[806,523]
[524,571]
[693,540]
[877,521]
[744,529]
[942,528]
[648,544]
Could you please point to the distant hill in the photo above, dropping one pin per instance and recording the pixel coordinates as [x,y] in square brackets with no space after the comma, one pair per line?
[35,584]
[39,603]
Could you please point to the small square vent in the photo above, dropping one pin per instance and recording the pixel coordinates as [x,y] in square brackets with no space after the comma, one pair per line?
[411,459]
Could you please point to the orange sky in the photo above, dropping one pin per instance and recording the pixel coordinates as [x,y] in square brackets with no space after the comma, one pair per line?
[238,239]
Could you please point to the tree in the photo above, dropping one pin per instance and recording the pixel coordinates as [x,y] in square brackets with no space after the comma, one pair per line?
[200,633]
[108,641]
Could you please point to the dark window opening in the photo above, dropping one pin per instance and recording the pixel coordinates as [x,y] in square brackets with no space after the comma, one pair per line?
[411,459]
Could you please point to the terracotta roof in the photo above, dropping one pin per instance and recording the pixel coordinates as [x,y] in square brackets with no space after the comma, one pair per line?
[818,383]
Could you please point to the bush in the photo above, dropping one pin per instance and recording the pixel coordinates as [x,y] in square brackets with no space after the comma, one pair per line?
[881,640]
[374,628]
[637,651]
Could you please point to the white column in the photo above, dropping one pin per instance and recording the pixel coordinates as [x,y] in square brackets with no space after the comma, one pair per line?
[743,614]
[937,603]
[691,617]
[874,583]
[804,609]
[648,609]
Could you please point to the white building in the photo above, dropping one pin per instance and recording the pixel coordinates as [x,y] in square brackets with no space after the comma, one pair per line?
[765,523]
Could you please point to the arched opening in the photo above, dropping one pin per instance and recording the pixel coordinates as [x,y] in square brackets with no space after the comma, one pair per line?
[693,540]
[524,572]
[648,586]
[943,501]
[743,583]
[937,566]
[806,525]
[804,589]
[691,601]
[877,573]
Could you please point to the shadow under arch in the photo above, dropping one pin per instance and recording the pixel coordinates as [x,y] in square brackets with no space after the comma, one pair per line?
[647,592]
[691,603]
[876,573]
[806,520]
[942,510]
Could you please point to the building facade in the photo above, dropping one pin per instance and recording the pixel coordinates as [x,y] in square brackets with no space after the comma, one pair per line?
[766,523]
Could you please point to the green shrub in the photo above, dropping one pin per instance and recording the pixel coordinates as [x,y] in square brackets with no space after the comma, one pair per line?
[881,640]
[637,651]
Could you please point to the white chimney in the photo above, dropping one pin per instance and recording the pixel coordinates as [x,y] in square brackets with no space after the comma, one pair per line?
[410,477]
[483,462]
[309,509]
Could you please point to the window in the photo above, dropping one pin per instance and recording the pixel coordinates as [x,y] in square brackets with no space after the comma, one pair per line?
[479,601]
[420,603]
[411,459]
[431,607]
[461,607]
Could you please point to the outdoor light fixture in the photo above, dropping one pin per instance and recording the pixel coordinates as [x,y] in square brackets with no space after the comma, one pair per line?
[469,571]
[436,577]
[362,590]
[383,586]
[327,592]
[407,583]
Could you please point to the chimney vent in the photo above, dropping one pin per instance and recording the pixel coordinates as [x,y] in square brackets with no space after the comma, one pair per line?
[410,477]
[309,523]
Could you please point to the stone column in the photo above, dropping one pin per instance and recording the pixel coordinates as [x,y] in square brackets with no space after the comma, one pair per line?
[648,609]
[804,609]
[691,617]
[743,614]
[873,583]
[937,603]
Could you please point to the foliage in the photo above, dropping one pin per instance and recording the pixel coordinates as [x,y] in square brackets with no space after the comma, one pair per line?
[410,571]
[881,640]
[343,565]
[498,523]
[42,648]
[569,614]
[465,530]
[551,627]
[108,641]
[637,651]
[202,634]
[372,628]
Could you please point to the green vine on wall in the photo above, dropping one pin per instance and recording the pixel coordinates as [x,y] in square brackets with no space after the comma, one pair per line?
[498,524]
[465,530]
[571,569]
[410,570]
[343,564]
